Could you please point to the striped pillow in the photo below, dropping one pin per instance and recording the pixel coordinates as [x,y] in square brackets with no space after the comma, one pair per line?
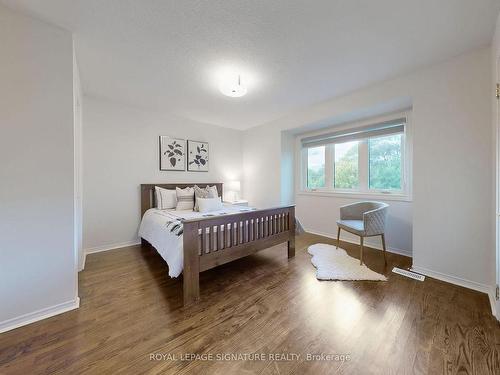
[185,198]
[206,192]
[165,198]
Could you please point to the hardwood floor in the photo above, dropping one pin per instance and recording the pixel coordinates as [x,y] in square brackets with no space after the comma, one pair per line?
[264,304]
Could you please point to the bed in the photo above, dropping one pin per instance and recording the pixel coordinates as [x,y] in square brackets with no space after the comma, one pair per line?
[192,242]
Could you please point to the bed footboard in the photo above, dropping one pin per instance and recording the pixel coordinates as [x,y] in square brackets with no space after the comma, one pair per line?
[212,241]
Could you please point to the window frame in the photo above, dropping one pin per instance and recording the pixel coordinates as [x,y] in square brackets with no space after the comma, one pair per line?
[363,191]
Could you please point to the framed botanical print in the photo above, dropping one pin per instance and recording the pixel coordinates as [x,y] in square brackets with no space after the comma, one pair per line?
[172,154]
[197,156]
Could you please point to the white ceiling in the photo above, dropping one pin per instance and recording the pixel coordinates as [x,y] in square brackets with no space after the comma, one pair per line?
[164,55]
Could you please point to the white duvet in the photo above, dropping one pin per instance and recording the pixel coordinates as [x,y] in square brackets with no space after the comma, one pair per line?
[154,229]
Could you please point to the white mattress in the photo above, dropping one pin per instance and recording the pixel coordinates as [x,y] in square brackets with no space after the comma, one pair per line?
[154,229]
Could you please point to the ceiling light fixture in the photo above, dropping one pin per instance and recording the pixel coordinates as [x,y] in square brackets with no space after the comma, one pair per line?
[233,87]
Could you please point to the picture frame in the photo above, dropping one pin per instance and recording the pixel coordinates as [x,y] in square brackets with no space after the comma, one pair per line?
[197,156]
[172,153]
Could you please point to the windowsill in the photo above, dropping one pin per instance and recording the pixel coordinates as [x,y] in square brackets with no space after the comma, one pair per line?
[357,195]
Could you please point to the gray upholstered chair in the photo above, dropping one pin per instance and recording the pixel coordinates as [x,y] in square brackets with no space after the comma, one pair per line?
[365,219]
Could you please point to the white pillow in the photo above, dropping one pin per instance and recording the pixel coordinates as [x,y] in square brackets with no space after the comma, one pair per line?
[209,204]
[185,198]
[165,198]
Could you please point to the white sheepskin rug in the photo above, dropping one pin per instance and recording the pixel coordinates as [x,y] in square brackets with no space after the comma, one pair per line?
[335,264]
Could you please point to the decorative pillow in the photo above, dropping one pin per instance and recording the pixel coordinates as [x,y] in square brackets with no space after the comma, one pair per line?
[206,192]
[209,204]
[165,198]
[185,198]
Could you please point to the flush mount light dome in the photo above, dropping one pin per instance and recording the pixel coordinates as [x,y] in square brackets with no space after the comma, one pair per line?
[233,87]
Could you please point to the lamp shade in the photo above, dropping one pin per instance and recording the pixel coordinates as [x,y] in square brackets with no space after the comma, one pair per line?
[234,186]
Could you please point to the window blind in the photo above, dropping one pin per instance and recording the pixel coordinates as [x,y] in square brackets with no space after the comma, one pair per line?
[395,126]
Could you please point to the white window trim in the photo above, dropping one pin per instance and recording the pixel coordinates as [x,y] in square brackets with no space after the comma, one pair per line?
[401,195]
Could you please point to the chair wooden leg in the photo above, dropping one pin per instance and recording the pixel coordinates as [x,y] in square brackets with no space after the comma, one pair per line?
[383,247]
[338,237]
[361,250]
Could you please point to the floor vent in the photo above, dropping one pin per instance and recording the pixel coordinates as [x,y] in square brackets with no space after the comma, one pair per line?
[411,275]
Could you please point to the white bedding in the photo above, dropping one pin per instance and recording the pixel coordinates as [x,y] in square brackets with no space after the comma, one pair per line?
[169,245]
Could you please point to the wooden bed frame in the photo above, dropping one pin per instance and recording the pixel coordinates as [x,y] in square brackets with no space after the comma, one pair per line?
[207,246]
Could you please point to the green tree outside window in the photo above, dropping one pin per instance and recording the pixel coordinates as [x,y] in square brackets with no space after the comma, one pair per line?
[385,162]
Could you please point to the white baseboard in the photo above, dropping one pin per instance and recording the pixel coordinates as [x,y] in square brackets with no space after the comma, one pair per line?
[83,261]
[493,303]
[368,243]
[113,246]
[453,279]
[35,316]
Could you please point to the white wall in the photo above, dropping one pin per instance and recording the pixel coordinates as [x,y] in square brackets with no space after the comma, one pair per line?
[452,162]
[262,166]
[37,259]
[452,170]
[287,159]
[120,148]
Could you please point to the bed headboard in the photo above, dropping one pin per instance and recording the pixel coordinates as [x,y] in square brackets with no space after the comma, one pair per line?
[148,196]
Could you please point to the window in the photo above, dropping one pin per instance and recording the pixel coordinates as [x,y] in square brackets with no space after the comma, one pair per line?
[385,162]
[346,166]
[316,167]
[366,159]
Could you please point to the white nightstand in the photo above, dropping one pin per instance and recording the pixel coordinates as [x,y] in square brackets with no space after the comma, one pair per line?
[239,202]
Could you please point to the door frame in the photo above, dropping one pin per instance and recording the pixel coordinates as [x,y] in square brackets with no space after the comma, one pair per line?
[496,117]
